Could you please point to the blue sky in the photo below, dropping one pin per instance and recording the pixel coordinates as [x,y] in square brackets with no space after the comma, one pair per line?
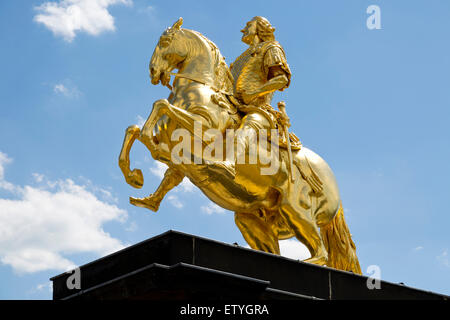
[375,104]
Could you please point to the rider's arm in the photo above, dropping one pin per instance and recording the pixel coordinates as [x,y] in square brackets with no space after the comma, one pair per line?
[278,81]
[276,71]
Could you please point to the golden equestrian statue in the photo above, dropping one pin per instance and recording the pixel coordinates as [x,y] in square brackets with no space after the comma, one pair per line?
[277,188]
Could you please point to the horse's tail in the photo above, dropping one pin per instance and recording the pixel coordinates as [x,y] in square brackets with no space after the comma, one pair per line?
[339,244]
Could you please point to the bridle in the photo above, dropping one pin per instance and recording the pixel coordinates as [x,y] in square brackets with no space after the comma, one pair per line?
[189,77]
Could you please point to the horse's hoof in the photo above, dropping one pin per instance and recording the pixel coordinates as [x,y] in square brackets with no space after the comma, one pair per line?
[135,179]
[147,203]
[319,260]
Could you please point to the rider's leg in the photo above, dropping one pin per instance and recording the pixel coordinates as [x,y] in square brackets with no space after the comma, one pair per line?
[257,232]
[247,134]
[171,179]
[240,156]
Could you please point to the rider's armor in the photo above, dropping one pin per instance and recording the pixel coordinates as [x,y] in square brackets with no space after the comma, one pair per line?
[251,69]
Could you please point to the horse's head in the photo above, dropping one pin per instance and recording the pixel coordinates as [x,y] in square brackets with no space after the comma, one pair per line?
[169,53]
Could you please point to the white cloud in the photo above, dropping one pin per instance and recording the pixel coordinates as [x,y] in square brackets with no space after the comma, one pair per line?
[4,160]
[140,121]
[67,90]
[132,227]
[150,10]
[418,248]
[211,208]
[294,249]
[158,169]
[66,17]
[48,286]
[444,259]
[38,177]
[175,201]
[60,88]
[187,186]
[41,225]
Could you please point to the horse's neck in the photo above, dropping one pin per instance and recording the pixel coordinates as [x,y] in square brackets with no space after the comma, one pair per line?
[200,62]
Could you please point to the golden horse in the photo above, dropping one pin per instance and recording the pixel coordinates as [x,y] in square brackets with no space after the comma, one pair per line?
[268,207]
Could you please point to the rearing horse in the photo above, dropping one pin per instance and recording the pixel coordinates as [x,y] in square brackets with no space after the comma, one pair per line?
[268,208]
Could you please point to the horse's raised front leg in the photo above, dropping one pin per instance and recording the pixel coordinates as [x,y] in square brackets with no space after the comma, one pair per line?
[133,177]
[171,179]
[183,118]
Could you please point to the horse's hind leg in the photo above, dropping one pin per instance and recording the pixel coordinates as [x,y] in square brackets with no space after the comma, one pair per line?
[171,179]
[133,177]
[257,232]
[306,231]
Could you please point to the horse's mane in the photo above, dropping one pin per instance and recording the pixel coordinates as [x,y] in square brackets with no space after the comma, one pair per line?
[223,78]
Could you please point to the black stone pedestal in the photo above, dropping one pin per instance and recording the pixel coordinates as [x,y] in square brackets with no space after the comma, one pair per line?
[179,266]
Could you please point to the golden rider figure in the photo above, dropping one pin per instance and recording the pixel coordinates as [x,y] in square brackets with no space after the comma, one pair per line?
[260,70]
[300,198]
